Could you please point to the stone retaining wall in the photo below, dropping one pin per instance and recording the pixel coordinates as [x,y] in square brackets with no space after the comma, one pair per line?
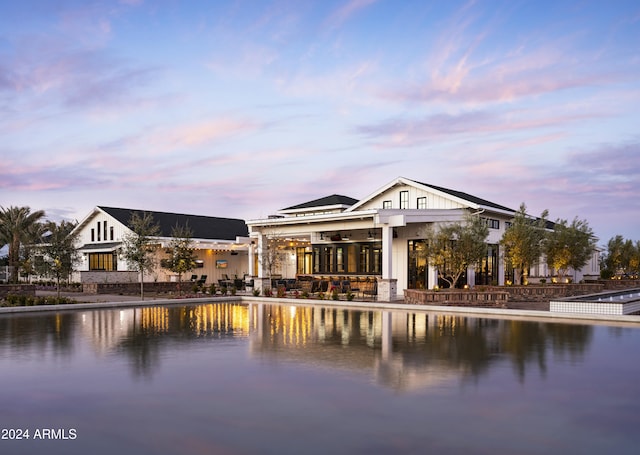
[462,297]
[101,276]
[134,288]
[17,289]
[615,285]
[547,292]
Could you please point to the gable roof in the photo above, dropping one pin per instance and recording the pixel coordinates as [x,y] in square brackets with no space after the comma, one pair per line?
[460,196]
[466,197]
[202,227]
[333,200]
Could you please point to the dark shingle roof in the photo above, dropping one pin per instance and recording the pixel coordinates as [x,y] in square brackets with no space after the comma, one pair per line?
[334,199]
[202,227]
[468,197]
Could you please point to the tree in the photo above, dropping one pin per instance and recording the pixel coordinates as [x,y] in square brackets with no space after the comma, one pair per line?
[181,253]
[569,246]
[59,251]
[274,250]
[138,246]
[454,247]
[523,242]
[621,258]
[18,226]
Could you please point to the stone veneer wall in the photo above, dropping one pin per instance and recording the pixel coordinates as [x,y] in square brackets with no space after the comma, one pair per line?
[547,292]
[499,295]
[615,285]
[134,288]
[462,297]
[17,289]
[101,276]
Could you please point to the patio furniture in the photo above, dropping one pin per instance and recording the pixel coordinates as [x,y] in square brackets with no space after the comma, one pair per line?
[371,289]
[202,280]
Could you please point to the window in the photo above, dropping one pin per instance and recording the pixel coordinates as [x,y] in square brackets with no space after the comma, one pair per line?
[365,258]
[93,235]
[340,259]
[404,199]
[386,204]
[111,233]
[491,223]
[103,261]
[104,224]
[507,224]
[356,258]
[422,203]
[98,231]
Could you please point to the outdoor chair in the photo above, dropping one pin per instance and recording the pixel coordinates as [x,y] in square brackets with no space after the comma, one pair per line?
[371,290]
[194,278]
[202,280]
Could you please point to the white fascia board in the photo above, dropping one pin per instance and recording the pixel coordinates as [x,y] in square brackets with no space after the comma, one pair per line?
[497,211]
[86,220]
[311,219]
[313,209]
[402,217]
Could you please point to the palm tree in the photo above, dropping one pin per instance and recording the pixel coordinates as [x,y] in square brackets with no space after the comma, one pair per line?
[17,227]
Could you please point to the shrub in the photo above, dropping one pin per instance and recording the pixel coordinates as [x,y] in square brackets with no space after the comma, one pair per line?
[233,290]
[256,292]
[350,296]
[305,295]
[334,294]
[267,292]
[281,292]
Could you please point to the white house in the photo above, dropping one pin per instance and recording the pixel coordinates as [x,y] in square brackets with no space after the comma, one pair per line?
[375,237]
[221,245]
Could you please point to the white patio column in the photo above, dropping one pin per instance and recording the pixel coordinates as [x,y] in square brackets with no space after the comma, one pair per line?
[433,276]
[262,239]
[387,286]
[387,251]
[471,276]
[500,267]
[261,282]
[252,258]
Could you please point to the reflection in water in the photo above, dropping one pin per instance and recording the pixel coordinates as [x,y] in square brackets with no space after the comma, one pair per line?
[37,335]
[409,350]
[401,350]
[263,378]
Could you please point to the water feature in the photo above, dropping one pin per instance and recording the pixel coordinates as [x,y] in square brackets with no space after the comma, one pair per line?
[607,303]
[275,379]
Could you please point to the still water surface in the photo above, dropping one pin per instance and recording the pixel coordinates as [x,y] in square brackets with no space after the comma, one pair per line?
[268,379]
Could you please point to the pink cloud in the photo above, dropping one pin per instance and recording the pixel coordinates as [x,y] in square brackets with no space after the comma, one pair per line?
[346,11]
[403,132]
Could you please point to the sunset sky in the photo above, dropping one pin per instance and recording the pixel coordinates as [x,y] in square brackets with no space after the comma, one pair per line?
[241,108]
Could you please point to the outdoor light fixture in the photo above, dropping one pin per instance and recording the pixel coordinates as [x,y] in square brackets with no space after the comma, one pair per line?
[370,235]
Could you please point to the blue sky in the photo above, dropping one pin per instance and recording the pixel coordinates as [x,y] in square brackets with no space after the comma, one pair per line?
[241,108]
